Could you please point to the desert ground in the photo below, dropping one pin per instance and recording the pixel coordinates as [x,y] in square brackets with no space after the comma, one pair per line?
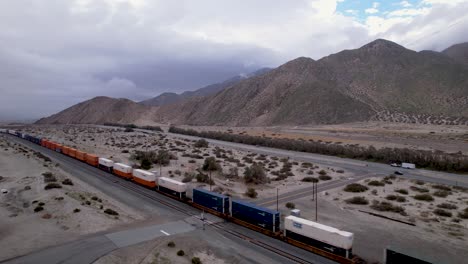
[435,227]
[33,217]
[446,138]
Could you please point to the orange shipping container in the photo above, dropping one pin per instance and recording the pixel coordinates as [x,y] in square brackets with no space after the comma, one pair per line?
[52,145]
[43,142]
[58,147]
[72,153]
[92,160]
[80,155]
[65,150]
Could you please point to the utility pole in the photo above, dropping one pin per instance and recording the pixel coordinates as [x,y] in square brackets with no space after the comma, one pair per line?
[277,208]
[316,202]
[210,179]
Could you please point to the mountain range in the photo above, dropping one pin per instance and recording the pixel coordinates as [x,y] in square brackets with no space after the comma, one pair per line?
[378,81]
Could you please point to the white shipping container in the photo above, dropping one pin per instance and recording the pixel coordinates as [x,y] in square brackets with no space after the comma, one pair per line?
[171,184]
[3,130]
[122,167]
[144,175]
[11,132]
[323,233]
[106,162]
[408,165]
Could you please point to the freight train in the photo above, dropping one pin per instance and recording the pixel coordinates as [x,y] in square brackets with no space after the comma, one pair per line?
[319,238]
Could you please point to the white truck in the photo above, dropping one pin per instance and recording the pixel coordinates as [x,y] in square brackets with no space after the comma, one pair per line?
[408,165]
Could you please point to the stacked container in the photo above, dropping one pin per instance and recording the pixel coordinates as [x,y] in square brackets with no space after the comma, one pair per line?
[105,164]
[72,152]
[123,170]
[145,178]
[58,148]
[259,216]
[80,155]
[172,187]
[211,200]
[66,150]
[91,159]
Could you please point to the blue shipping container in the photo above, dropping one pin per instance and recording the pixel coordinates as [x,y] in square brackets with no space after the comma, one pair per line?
[211,200]
[256,215]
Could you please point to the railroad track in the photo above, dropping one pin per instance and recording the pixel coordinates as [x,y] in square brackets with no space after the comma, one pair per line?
[151,194]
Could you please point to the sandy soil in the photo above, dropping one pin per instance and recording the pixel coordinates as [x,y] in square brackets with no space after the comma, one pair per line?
[378,134]
[24,230]
[118,145]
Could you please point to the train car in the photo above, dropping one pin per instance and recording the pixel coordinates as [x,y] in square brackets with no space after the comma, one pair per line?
[105,164]
[172,187]
[43,141]
[123,170]
[58,148]
[145,178]
[324,237]
[66,150]
[91,159]
[211,200]
[11,132]
[3,130]
[80,155]
[72,152]
[52,145]
[263,217]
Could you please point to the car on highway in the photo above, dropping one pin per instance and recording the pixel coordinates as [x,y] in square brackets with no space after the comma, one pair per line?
[398,173]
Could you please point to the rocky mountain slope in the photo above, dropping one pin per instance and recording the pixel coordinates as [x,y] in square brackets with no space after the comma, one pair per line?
[170,98]
[458,52]
[100,110]
[379,81]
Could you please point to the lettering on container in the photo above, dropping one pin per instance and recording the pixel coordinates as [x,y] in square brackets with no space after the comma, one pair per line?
[297,225]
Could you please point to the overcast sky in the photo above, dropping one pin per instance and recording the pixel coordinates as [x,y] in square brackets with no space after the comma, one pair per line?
[56,53]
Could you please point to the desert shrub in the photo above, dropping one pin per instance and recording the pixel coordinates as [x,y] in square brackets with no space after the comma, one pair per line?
[442,187]
[180,253]
[233,172]
[357,200]
[201,143]
[290,205]
[442,194]
[125,151]
[398,198]
[145,164]
[49,177]
[376,183]
[418,189]
[340,171]
[52,185]
[41,204]
[128,129]
[171,244]
[192,161]
[424,197]
[324,177]
[442,212]
[27,187]
[210,164]
[251,193]
[374,192]
[188,177]
[355,187]
[447,206]
[322,172]
[401,191]
[464,214]
[419,182]
[38,208]
[255,174]
[196,260]
[201,177]
[310,179]
[387,207]
[110,212]
[67,182]
[76,210]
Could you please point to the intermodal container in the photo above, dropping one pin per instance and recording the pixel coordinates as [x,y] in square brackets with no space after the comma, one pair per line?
[123,170]
[80,155]
[105,164]
[52,145]
[172,187]
[2,130]
[43,142]
[59,148]
[72,152]
[92,160]
[256,215]
[318,235]
[211,200]
[65,150]
[145,178]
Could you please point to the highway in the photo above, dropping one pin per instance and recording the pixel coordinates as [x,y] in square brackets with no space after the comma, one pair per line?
[92,247]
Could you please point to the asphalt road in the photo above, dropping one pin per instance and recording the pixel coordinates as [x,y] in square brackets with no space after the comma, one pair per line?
[357,167]
[90,248]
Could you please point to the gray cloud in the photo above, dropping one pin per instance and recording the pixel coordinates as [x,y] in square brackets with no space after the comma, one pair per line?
[57,53]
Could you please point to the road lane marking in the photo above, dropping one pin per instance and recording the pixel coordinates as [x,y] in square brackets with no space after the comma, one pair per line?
[164,232]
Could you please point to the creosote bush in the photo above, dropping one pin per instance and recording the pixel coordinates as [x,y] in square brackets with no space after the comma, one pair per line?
[424,197]
[110,212]
[52,185]
[310,179]
[357,200]
[324,177]
[290,205]
[376,183]
[402,191]
[67,182]
[201,143]
[251,193]
[387,207]
[255,174]
[196,260]
[171,244]
[447,206]
[180,253]
[355,187]
[442,212]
